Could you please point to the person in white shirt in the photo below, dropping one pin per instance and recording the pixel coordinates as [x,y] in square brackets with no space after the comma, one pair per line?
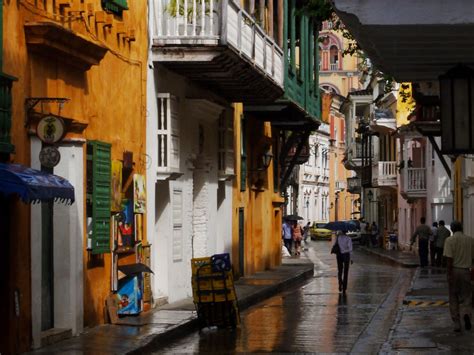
[343,259]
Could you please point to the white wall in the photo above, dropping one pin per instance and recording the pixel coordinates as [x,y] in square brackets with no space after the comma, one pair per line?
[439,187]
[205,211]
[68,246]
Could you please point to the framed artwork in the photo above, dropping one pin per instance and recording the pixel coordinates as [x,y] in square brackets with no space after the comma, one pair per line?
[116,203]
[139,194]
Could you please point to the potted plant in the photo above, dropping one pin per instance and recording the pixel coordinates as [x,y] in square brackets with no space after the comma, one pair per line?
[177,7]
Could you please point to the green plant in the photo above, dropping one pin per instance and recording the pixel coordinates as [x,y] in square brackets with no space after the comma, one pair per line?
[177,6]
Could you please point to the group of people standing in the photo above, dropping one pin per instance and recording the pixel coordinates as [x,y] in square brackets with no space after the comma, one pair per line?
[293,234]
[456,252]
[369,234]
[431,242]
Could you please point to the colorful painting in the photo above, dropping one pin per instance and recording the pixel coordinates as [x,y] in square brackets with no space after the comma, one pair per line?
[129,296]
[139,194]
[116,205]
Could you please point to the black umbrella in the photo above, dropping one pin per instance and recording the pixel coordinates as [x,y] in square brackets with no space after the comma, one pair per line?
[292,217]
[132,269]
[338,226]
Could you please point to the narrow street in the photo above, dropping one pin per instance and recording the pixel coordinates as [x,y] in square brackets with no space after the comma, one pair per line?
[315,317]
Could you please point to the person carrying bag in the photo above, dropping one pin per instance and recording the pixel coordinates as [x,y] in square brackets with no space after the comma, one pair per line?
[343,250]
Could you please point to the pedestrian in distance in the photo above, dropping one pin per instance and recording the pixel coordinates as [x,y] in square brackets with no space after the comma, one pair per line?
[306,231]
[374,231]
[443,233]
[297,235]
[433,236]
[306,234]
[363,232]
[286,231]
[459,253]
[422,232]
[343,249]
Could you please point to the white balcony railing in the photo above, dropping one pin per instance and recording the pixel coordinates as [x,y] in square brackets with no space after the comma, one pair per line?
[221,22]
[340,185]
[385,173]
[334,66]
[414,180]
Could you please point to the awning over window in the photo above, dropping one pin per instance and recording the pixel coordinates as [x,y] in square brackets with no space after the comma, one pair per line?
[33,185]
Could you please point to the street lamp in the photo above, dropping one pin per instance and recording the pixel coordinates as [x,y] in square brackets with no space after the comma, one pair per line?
[457,110]
[266,157]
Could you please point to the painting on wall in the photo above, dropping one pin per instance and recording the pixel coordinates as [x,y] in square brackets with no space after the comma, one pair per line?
[116,203]
[139,194]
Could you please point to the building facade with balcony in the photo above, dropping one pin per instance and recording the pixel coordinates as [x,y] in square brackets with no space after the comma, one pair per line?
[230,101]
[77,98]
[399,52]
[425,186]
[314,178]
[339,73]
[371,151]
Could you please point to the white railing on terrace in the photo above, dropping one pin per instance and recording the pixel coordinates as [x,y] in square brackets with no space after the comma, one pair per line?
[213,22]
[386,172]
[340,185]
[415,179]
[334,66]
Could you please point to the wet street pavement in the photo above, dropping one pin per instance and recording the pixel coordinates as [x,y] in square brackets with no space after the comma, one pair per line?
[315,317]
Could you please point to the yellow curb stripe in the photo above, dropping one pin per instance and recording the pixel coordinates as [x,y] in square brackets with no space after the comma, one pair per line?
[426,303]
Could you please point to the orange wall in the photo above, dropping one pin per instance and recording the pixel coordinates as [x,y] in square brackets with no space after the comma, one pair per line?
[261,206]
[109,98]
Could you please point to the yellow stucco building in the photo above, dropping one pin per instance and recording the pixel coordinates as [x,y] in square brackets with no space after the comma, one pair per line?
[339,75]
[83,64]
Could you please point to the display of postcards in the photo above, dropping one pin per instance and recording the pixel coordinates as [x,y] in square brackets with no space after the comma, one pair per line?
[129,296]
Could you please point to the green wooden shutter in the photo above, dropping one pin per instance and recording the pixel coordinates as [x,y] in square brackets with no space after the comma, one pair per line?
[100,194]
[6,82]
[115,6]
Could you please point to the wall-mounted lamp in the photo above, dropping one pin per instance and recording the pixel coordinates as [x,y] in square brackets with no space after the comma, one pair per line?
[370,196]
[264,160]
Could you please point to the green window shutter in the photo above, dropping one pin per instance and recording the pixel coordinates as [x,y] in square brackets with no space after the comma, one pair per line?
[99,195]
[115,6]
[6,82]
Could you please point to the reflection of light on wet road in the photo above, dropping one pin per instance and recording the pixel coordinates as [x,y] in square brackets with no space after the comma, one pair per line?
[310,318]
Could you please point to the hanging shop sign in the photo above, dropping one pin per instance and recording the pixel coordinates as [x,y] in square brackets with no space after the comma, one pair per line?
[50,129]
[49,156]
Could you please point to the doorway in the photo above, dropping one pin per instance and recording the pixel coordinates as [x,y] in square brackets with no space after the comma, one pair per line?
[241,241]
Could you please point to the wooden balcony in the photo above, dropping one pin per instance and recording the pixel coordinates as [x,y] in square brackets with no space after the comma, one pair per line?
[53,40]
[384,174]
[220,46]
[413,183]
[354,156]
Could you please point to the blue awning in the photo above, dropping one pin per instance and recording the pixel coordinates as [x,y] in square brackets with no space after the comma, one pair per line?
[33,185]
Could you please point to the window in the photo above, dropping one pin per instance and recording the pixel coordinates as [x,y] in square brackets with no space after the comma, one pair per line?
[225,157]
[115,6]
[98,198]
[167,134]
[298,47]
[334,57]
[5,111]
[177,225]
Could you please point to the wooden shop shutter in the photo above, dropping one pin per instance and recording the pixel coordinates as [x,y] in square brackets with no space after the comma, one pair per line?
[99,195]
